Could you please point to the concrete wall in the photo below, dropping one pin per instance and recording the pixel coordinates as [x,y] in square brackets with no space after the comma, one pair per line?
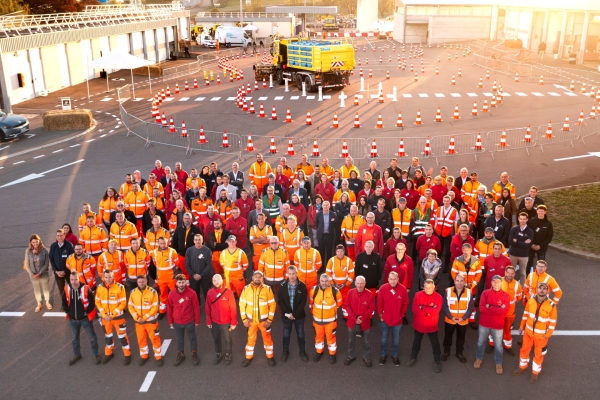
[366,14]
[416,33]
[455,28]
[398,32]
[75,61]
[52,75]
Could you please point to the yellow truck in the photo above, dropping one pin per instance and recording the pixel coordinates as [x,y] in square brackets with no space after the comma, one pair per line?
[330,24]
[325,63]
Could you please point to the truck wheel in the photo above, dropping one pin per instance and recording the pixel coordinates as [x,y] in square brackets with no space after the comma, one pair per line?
[279,75]
[299,82]
[309,87]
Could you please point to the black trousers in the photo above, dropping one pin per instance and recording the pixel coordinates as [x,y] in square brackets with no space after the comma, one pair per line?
[326,248]
[61,282]
[203,285]
[435,344]
[461,331]
[179,334]
[222,338]
[445,244]
[152,270]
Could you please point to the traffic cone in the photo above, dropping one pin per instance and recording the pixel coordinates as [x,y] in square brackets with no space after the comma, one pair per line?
[427,150]
[290,151]
[163,96]
[186,86]
[225,139]
[164,120]
[183,129]
[344,149]
[387,75]
[155,111]
[251,109]
[172,125]
[487,74]
[581,118]
[244,104]
[438,115]
[459,72]
[255,85]
[503,139]
[517,77]
[527,138]
[485,106]
[370,73]
[494,86]
[572,86]
[356,121]
[374,149]
[583,88]
[593,112]
[355,99]
[335,121]
[411,68]
[493,101]
[316,152]
[157,118]
[549,131]
[499,95]
[422,69]
[390,58]
[480,85]
[379,122]
[456,115]
[273,113]
[272,148]
[453,82]
[418,120]
[231,76]
[416,78]
[261,111]
[168,92]
[478,144]
[437,71]
[218,80]
[195,83]
[288,116]
[308,119]
[380,60]
[381,97]
[566,124]
[541,80]
[264,85]
[474,111]
[399,120]
[206,82]
[401,152]
[176,87]
[451,149]
[249,145]
[360,72]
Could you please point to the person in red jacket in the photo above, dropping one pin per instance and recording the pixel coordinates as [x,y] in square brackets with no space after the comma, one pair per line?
[390,245]
[369,231]
[297,209]
[400,261]
[238,227]
[458,240]
[392,304]
[426,308]
[221,317]
[427,242]
[495,264]
[245,204]
[206,221]
[183,311]
[360,305]
[493,307]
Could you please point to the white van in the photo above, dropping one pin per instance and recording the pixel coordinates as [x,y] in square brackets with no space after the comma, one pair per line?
[229,36]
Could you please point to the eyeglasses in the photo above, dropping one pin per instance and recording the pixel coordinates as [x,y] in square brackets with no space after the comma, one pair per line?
[274,243]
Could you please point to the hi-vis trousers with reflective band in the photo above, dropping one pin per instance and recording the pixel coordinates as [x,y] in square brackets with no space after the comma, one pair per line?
[121,328]
[153,333]
[323,331]
[507,337]
[164,288]
[539,344]
[253,335]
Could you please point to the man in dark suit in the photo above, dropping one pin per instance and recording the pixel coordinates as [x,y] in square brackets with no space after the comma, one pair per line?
[279,191]
[166,178]
[461,180]
[236,178]
[183,238]
[292,301]
[326,219]
[301,192]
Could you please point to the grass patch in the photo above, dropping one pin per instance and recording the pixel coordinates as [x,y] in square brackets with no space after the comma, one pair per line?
[574,216]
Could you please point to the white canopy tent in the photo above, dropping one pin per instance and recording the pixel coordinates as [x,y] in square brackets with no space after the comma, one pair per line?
[118,59]
[250,27]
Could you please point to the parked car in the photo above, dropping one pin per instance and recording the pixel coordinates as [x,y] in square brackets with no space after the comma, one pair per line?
[12,126]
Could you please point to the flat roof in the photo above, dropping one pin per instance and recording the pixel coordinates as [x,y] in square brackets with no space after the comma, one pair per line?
[302,9]
[586,5]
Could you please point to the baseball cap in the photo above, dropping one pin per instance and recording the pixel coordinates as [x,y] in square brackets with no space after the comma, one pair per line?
[306,239]
[402,200]
[543,284]
[489,229]
[231,237]
[258,272]
[497,278]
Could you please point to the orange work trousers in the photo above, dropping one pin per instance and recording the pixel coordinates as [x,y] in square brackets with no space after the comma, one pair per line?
[164,288]
[141,330]
[216,257]
[325,331]
[507,337]
[310,283]
[120,326]
[236,285]
[351,252]
[539,344]
[253,335]
[138,227]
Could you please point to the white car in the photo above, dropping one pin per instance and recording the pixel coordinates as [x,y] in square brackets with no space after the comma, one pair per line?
[206,41]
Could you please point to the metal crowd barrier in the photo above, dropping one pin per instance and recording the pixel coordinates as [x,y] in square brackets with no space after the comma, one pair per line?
[187,69]
[516,138]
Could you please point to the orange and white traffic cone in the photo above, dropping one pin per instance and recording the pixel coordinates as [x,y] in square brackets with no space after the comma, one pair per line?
[487,74]
[583,88]
[581,118]
[478,144]
[422,69]
[183,129]
[172,128]
[387,75]
[290,151]
[244,104]
[255,85]
[399,120]
[541,82]
[157,118]
[360,72]
[261,111]
[373,149]
[155,111]
[459,73]
[273,113]
[416,78]
[288,116]
[572,85]
[168,92]
[593,112]
[437,71]
[176,87]
[202,138]
[474,111]
[316,152]
[427,150]
[335,124]
[308,118]
[355,99]
[527,138]
[272,147]
[456,115]
[451,149]
[379,122]
[418,120]
[264,84]
[566,124]
[517,77]
[438,115]
[164,120]
[401,151]
[485,106]
[195,83]
[503,143]
[186,86]
[225,139]
[370,73]
[494,86]
[218,80]
[206,82]
[480,85]
[453,82]
[251,109]
[249,89]
[345,153]
[493,101]
[249,145]
[381,97]
[380,60]
[356,121]
[548,134]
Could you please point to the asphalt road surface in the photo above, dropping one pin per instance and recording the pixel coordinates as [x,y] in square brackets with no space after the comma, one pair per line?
[43,184]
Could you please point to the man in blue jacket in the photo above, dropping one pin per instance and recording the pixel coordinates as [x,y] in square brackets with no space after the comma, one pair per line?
[59,252]
[520,240]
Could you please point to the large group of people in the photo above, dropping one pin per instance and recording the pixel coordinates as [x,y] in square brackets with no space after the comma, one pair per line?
[286,237]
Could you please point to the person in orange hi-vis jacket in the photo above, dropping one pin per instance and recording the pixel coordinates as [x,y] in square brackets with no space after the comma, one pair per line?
[143,307]
[166,261]
[259,172]
[341,270]
[325,300]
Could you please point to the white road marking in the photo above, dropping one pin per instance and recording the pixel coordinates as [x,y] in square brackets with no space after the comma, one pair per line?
[423,95]
[57,151]
[184,99]
[53,314]
[520,94]
[18,162]
[91,140]
[215,99]
[278,98]
[107,99]
[553,94]
[5,147]
[569,333]
[111,131]
[103,135]
[199,98]
[263,98]
[570,94]
[294,97]
[488,94]
[538,94]
[592,154]
[148,381]
[439,95]
[230,98]
[75,145]
[455,95]
[504,94]
[313,97]
[40,156]
[11,314]
[406,95]
[164,347]
[472,94]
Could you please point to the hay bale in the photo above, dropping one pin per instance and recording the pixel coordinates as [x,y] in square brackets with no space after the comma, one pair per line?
[155,70]
[67,120]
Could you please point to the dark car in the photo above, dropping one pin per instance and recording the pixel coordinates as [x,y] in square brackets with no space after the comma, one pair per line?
[12,126]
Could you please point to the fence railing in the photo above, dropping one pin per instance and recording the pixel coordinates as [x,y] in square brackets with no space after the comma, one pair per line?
[187,69]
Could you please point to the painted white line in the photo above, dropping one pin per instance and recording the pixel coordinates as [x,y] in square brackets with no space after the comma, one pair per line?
[5,147]
[40,156]
[520,94]
[294,97]
[538,94]
[11,314]
[230,99]
[75,145]
[406,95]
[280,98]
[199,98]
[215,99]
[439,95]
[423,95]
[169,99]
[263,98]
[53,314]
[164,346]
[455,95]
[148,381]
[504,94]
[472,94]
[103,135]
[570,94]
[111,131]
[91,140]
[553,94]
[57,151]
[569,333]
[592,154]
[310,97]
[488,94]
[18,162]
[184,99]
[374,96]
[106,99]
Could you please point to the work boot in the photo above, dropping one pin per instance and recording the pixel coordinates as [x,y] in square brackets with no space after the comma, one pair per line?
[227,359]
[304,356]
[518,371]
[142,361]
[411,362]
[75,359]
[332,359]
[271,361]
[396,361]
[159,362]
[179,359]
[445,356]
[461,358]
[97,360]
[195,358]
[473,325]
[107,359]
[284,356]
[218,358]
[349,360]
[368,363]
[317,357]
[382,360]
[488,348]
[127,360]
[509,351]
[246,362]
[533,378]
[499,369]
[477,364]
[437,368]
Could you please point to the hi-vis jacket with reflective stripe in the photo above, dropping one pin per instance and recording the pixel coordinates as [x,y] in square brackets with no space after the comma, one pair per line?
[341,270]
[274,264]
[257,304]
[136,202]
[350,226]
[308,263]
[113,262]
[444,221]
[472,275]
[458,306]
[401,220]
[165,261]
[152,238]
[93,240]
[539,319]
[234,264]
[144,304]
[111,301]
[532,281]
[123,234]
[136,263]
[324,304]
[515,293]
[86,266]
